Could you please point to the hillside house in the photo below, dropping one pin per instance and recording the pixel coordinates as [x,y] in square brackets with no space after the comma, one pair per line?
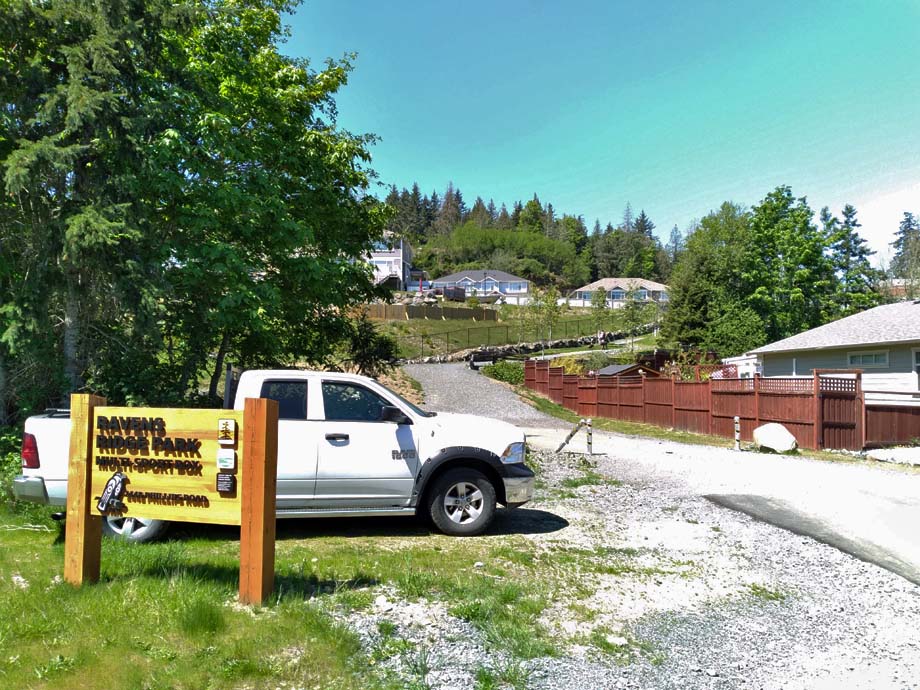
[484,282]
[619,290]
[392,261]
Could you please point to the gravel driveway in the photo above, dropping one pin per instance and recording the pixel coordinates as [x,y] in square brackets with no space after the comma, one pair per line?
[457,388]
[730,602]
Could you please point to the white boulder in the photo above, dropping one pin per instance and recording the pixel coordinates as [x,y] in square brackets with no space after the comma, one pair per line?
[775,437]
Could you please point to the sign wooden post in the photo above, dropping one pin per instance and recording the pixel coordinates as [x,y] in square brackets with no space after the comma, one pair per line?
[83,530]
[260,472]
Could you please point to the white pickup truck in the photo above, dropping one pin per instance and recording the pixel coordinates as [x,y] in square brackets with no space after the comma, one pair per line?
[347,446]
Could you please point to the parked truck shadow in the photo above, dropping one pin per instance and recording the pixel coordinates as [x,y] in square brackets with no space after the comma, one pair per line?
[506,522]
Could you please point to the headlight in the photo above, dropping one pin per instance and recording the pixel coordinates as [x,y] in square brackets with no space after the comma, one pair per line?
[513,454]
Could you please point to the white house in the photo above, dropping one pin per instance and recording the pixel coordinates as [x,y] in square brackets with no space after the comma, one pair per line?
[392,260]
[484,282]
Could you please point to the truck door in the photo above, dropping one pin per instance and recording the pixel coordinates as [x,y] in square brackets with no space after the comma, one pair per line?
[298,441]
[363,462]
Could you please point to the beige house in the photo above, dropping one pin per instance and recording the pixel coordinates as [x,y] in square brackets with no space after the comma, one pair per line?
[619,290]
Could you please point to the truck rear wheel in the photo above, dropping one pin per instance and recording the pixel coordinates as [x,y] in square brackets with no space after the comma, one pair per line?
[133,529]
[462,502]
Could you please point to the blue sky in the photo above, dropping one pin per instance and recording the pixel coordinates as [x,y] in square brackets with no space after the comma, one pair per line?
[672,106]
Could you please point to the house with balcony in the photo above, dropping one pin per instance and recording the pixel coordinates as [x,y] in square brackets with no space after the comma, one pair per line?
[392,261]
[484,283]
[619,291]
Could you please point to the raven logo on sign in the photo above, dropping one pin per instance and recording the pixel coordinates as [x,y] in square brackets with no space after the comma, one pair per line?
[110,501]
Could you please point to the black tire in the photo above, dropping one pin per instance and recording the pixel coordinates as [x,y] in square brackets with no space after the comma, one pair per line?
[462,502]
[138,530]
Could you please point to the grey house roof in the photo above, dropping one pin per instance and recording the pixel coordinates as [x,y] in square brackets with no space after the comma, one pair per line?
[889,323]
[479,275]
[626,369]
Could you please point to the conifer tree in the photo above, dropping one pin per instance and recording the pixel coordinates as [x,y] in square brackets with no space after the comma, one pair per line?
[905,263]
[643,225]
[856,279]
[479,214]
[504,222]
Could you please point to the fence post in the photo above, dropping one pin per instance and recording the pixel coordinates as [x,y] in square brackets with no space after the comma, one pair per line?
[709,405]
[617,379]
[644,414]
[860,402]
[819,411]
[756,400]
[673,401]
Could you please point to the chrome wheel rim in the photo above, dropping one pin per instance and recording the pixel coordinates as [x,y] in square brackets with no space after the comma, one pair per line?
[463,503]
[125,527]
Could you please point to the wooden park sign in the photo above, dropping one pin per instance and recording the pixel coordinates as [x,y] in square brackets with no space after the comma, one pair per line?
[186,465]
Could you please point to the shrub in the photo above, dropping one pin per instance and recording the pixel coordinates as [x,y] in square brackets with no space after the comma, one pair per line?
[507,371]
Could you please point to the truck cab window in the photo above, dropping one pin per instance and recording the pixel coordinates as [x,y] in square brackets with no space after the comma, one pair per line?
[347,402]
[290,395]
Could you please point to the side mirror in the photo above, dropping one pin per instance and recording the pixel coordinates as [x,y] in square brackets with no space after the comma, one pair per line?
[391,413]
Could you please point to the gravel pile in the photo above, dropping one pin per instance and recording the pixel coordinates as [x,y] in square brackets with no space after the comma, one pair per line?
[706,597]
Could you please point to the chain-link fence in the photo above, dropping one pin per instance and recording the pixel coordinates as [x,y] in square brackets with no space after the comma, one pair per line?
[424,344]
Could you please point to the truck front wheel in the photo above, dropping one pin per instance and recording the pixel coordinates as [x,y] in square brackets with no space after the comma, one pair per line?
[462,502]
[133,529]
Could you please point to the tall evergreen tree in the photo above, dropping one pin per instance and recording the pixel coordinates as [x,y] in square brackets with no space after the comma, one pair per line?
[629,219]
[479,214]
[906,260]
[493,212]
[504,222]
[449,215]
[516,210]
[531,216]
[675,245]
[643,225]
[856,279]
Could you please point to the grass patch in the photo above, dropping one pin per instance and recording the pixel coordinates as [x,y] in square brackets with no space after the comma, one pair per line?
[766,593]
[589,478]
[624,649]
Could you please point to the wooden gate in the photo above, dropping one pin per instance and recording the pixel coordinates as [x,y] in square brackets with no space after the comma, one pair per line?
[840,417]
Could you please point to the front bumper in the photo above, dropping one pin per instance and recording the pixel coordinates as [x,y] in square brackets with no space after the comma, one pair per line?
[35,490]
[519,488]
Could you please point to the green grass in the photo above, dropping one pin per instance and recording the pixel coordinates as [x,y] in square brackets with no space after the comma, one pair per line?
[589,478]
[766,593]
[165,614]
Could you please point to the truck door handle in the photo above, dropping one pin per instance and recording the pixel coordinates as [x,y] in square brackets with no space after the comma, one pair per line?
[336,437]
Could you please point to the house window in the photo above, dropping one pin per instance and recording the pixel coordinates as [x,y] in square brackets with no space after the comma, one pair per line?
[642,295]
[617,294]
[876,359]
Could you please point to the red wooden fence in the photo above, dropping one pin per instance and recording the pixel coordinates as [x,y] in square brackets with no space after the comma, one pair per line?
[825,411]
